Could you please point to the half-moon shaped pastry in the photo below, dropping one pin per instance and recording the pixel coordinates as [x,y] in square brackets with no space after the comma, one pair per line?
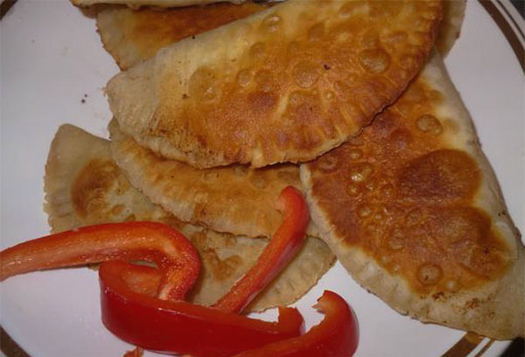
[83,186]
[283,85]
[413,211]
[236,200]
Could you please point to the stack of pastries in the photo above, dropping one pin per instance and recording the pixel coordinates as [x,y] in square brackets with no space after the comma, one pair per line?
[218,107]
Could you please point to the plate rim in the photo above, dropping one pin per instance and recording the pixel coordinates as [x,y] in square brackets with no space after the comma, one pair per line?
[504,15]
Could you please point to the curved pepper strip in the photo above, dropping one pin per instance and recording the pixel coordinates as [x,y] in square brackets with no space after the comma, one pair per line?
[130,322]
[129,290]
[281,249]
[283,246]
[181,327]
[175,256]
[336,336]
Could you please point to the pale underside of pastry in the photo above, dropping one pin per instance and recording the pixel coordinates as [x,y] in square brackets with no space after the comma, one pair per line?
[83,186]
[133,36]
[413,211]
[155,3]
[283,85]
[236,200]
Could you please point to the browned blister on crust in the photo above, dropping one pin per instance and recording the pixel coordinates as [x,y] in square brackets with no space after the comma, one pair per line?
[285,84]
[236,200]
[83,186]
[413,211]
[133,36]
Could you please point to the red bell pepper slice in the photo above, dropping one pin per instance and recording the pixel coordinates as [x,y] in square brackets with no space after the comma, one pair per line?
[181,327]
[123,317]
[175,256]
[283,246]
[336,336]
[131,295]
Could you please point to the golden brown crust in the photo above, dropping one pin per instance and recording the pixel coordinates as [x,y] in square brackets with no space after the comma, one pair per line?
[84,186]
[411,208]
[236,200]
[133,36]
[285,84]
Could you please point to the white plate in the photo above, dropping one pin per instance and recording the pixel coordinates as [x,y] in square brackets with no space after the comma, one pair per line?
[52,58]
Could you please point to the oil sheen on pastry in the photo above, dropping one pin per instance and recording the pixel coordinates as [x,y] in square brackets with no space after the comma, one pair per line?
[413,211]
[282,85]
[133,36]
